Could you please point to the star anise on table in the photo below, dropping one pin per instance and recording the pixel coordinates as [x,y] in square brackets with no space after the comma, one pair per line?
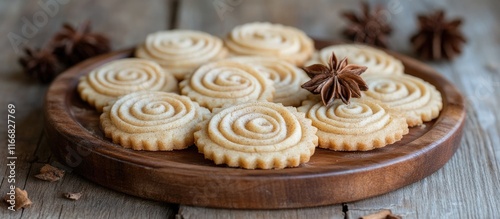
[337,80]
[73,45]
[369,27]
[438,38]
[41,64]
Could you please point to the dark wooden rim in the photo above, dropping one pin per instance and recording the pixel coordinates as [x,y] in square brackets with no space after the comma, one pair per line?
[182,183]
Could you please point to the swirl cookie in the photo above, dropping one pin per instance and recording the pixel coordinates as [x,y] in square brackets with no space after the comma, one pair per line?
[364,124]
[152,121]
[377,61]
[418,100]
[226,82]
[117,78]
[266,39]
[253,135]
[287,78]
[181,51]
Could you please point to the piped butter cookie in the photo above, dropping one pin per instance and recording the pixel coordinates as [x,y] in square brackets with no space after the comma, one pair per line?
[121,77]
[363,124]
[377,61]
[181,51]
[227,82]
[417,99]
[287,78]
[152,121]
[271,40]
[257,135]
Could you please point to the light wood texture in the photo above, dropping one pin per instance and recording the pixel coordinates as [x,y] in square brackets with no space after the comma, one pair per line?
[185,177]
[331,212]
[466,187]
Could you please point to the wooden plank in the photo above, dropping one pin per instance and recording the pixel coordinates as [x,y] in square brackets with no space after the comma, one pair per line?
[190,212]
[32,148]
[96,201]
[24,94]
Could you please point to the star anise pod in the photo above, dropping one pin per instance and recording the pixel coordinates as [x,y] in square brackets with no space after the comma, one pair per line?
[73,45]
[41,64]
[438,38]
[338,80]
[370,27]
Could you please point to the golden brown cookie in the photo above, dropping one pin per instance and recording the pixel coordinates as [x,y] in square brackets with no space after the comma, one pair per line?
[181,51]
[418,100]
[121,77]
[152,121]
[275,40]
[227,82]
[364,124]
[257,135]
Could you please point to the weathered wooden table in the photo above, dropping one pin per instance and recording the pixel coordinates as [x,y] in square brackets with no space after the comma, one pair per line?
[466,187]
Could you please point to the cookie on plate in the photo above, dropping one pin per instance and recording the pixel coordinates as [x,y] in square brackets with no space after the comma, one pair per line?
[152,121]
[227,82]
[257,135]
[362,125]
[377,61]
[275,40]
[419,100]
[287,78]
[181,51]
[121,77]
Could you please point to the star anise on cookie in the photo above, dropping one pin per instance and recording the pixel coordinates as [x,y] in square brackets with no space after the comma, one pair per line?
[40,64]
[73,45]
[438,38]
[337,80]
[369,27]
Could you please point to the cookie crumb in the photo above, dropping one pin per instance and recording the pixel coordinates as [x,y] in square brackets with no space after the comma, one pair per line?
[383,214]
[50,173]
[21,199]
[73,196]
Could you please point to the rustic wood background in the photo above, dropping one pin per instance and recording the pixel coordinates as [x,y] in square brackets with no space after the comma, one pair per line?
[466,187]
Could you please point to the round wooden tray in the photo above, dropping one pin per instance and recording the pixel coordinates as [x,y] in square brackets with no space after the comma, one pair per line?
[185,177]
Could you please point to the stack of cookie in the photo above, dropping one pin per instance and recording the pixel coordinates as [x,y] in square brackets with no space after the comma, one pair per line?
[240,101]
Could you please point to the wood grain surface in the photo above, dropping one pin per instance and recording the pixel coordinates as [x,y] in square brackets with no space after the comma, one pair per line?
[466,187]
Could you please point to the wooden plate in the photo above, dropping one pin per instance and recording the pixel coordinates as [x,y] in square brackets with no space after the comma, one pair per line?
[185,177]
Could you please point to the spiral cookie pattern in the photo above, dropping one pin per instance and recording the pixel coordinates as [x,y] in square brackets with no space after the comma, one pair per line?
[181,51]
[152,120]
[266,39]
[227,82]
[121,77]
[377,61]
[418,100]
[287,78]
[253,135]
[362,125]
